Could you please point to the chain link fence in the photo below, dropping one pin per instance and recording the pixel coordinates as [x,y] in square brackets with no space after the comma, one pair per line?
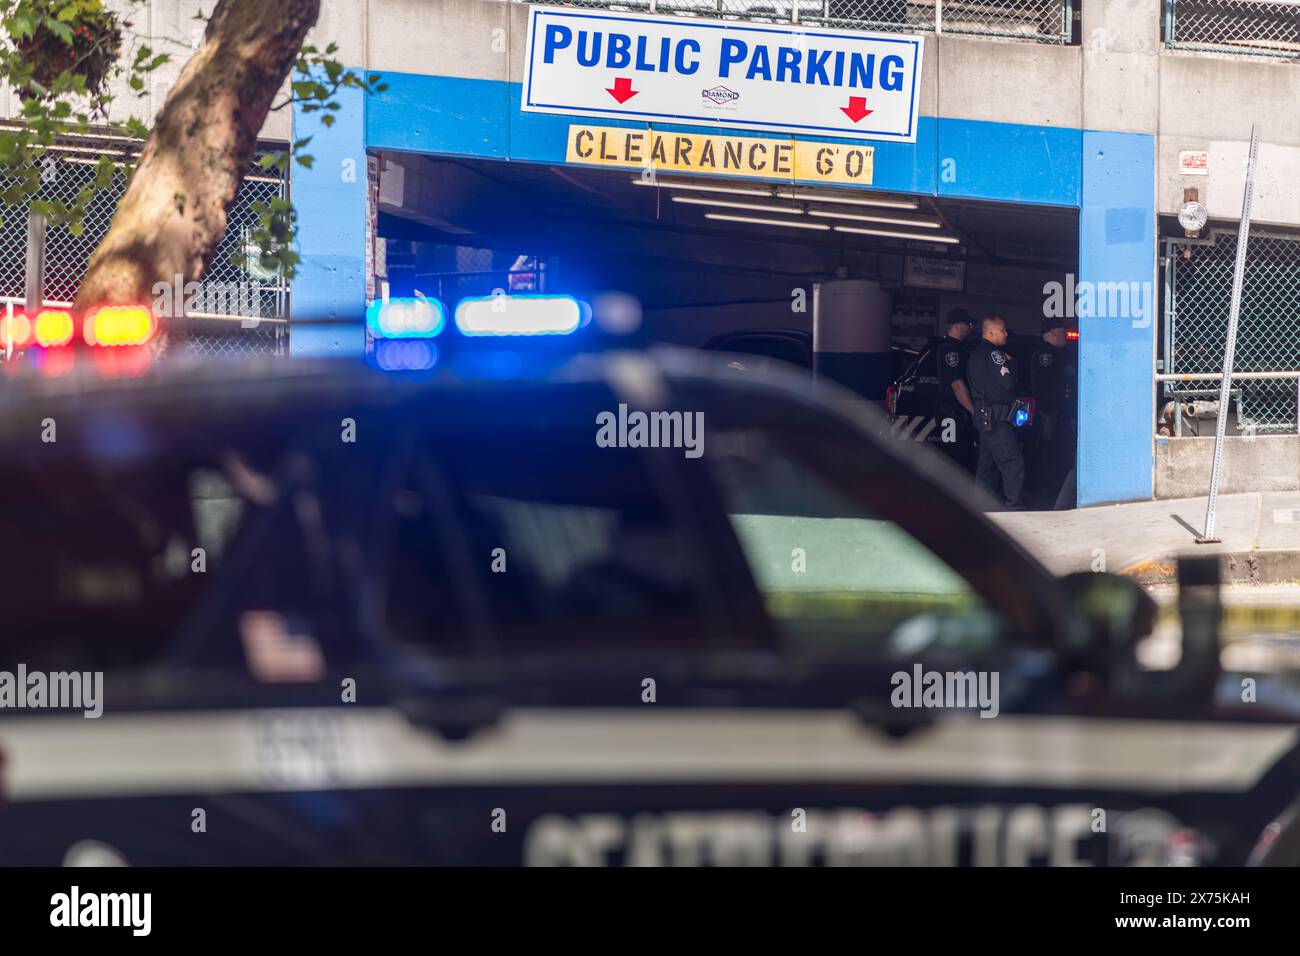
[1255,27]
[1045,21]
[239,309]
[1198,292]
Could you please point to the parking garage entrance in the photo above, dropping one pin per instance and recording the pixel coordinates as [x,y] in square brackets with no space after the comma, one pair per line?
[854,283]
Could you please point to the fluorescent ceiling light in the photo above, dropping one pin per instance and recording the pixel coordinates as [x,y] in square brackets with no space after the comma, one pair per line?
[760,207]
[813,196]
[702,187]
[768,222]
[897,235]
[893,221]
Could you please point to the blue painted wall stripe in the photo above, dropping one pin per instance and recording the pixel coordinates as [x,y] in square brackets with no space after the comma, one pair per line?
[1006,162]
[327,296]
[1009,162]
[1117,244]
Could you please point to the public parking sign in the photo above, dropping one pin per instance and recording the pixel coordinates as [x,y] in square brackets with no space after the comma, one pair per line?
[789,78]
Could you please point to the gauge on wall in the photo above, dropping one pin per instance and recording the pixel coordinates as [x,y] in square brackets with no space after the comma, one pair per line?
[1193,216]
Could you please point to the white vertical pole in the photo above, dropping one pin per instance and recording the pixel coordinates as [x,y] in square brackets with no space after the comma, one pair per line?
[1234,310]
[35,263]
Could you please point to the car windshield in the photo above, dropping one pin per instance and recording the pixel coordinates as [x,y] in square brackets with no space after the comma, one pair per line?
[828,568]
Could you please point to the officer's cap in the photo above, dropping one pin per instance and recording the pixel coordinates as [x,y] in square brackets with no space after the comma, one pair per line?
[1047,325]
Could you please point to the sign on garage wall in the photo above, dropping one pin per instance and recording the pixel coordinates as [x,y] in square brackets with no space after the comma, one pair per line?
[783,77]
[654,151]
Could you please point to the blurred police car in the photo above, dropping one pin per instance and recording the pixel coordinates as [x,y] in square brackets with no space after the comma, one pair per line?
[353,617]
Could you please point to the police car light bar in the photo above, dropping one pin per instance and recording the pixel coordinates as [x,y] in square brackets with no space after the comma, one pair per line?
[405,355]
[52,328]
[897,235]
[119,326]
[402,318]
[16,329]
[518,315]
[768,222]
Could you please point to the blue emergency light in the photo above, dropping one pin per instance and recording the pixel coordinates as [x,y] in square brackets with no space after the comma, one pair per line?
[402,318]
[518,315]
[405,355]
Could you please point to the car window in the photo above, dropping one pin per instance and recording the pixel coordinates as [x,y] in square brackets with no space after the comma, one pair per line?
[788,350]
[829,568]
[116,542]
[532,537]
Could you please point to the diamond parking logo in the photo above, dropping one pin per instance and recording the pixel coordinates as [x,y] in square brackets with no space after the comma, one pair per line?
[720,97]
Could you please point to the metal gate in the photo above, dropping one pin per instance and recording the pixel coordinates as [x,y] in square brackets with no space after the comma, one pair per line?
[1198,287]
[239,309]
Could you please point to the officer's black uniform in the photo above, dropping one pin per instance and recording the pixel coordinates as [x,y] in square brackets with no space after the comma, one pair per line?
[991,375]
[951,357]
[1053,376]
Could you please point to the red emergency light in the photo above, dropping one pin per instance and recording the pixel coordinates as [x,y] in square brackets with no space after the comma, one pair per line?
[116,325]
[15,327]
[52,328]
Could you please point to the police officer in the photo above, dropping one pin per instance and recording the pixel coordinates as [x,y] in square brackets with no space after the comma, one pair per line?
[953,404]
[991,375]
[1053,376]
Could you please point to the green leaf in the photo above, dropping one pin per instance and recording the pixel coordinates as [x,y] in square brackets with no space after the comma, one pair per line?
[22,24]
[60,30]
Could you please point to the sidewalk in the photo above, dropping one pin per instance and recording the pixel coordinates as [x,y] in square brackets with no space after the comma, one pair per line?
[1260,534]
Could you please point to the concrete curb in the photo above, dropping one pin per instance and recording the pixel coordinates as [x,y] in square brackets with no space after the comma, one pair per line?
[1239,567]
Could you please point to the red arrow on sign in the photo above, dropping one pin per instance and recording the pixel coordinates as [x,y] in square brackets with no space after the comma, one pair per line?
[857,108]
[622,90]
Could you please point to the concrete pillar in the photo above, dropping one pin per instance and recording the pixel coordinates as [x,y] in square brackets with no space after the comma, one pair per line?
[851,327]
[1117,244]
[328,297]
[1117,250]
